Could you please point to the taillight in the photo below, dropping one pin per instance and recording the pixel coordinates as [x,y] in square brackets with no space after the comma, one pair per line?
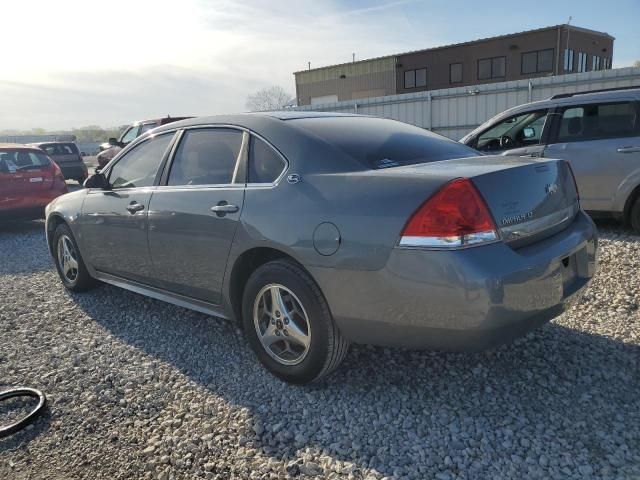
[455,216]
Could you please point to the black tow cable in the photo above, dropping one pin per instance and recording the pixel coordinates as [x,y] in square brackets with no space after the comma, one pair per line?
[6,430]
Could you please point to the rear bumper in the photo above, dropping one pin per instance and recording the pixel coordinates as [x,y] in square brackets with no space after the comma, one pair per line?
[73,172]
[468,299]
[30,205]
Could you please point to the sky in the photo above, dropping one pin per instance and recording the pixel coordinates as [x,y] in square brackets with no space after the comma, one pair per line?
[72,63]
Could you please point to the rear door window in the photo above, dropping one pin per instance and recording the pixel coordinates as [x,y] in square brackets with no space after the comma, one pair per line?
[598,121]
[265,165]
[206,157]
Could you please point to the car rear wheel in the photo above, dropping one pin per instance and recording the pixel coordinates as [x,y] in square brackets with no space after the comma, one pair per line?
[69,263]
[635,216]
[288,323]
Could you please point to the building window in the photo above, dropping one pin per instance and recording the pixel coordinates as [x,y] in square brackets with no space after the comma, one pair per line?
[596,63]
[455,73]
[409,79]
[415,78]
[606,63]
[491,68]
[568,60]
[537,62]
[582,62]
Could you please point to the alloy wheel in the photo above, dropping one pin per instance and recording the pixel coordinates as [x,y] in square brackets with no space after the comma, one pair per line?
[282,324]
[67,258]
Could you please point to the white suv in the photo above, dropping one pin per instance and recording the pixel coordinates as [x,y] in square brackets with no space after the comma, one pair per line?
[598,132]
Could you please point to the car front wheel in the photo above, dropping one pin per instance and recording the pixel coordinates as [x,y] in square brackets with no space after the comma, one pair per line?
[69,262]
[288,323]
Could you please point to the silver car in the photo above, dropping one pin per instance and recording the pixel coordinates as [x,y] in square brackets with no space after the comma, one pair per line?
[598,132]
[317,230]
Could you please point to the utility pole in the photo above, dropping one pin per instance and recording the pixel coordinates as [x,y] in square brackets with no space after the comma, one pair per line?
[353,56]
[309,63]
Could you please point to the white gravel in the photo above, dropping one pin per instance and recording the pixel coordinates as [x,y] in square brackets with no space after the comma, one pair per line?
[142,389]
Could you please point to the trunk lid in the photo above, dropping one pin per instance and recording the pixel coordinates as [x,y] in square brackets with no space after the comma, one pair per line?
[529,199]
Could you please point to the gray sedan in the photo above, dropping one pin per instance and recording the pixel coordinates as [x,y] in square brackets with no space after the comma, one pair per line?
[317,230]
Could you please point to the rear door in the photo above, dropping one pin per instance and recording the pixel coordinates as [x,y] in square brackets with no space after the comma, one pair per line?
[113,225]
[194,215]
[602,143]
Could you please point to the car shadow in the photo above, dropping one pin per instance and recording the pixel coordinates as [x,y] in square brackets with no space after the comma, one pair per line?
[552,375]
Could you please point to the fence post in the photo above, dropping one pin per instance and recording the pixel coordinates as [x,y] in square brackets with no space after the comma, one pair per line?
[530,91]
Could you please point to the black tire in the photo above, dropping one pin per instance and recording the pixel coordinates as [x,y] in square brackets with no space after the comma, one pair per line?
[81,281]
[326,347]
[634,216]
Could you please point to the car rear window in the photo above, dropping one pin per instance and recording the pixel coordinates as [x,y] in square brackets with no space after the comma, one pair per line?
[60,149]
[379,143]
[15,160]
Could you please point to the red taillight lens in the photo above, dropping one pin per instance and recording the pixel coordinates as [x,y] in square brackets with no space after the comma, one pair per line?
[456,215]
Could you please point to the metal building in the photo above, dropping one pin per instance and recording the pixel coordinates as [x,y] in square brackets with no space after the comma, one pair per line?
[536,53]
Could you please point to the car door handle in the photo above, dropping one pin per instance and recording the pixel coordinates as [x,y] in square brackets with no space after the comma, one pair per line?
[223,208]
[134,207]
[629,150]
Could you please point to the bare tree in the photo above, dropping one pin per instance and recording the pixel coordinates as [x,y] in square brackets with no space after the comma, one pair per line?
[271,98]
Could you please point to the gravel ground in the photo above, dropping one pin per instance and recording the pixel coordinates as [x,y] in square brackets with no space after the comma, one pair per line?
[142,389]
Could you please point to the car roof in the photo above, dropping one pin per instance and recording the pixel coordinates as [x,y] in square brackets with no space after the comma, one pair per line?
[581,97]
[38,144]
[17,146]
[251,119]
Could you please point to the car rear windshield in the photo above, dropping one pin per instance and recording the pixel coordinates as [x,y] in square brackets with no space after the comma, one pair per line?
[60,149]
[378,143]
[15,160]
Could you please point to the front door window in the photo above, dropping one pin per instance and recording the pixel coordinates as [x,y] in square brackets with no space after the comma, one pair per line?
[518,131]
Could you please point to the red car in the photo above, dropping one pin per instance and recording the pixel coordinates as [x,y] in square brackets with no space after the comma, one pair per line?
[29,180]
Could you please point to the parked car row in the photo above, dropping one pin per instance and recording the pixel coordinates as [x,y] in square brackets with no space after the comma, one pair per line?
[318,230]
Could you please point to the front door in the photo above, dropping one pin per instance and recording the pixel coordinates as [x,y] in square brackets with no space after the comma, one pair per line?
[193,217]
[113,224]
[602,143]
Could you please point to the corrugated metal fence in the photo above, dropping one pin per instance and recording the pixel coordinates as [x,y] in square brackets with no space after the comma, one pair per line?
[454,112]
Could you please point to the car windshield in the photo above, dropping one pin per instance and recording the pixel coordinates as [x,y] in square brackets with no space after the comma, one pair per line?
[378,143]
[15,160]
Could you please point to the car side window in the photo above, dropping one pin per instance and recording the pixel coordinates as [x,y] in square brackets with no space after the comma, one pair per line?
[206,157]
[265,165]
[130,135]
[520,130]
[138,167]
[597,121]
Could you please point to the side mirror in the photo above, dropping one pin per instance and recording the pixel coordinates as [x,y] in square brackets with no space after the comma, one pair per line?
[113,142]
[97,180]
[529,132]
